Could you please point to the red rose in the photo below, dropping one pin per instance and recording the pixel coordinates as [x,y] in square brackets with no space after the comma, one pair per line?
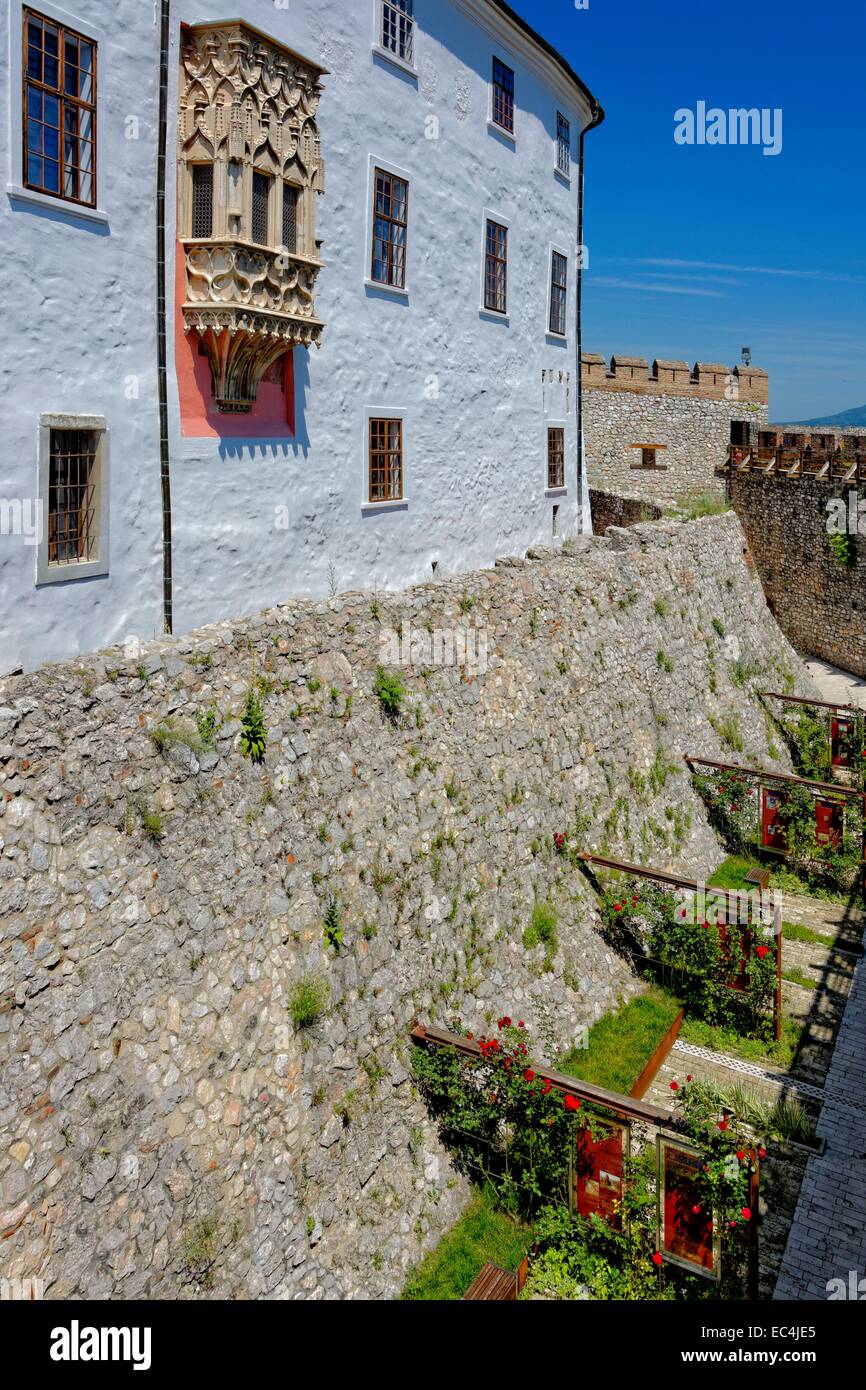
[675,1086]
[696,1209]
[762,1152]
[617,907]
[521,1024]
[469,1036]
[723,1124]
[657,1258]
[732,1223]
[741,1155]
[529,1074]
[546,1085]
[571,1102]
[745,1213]
[761,951]
[688,1078]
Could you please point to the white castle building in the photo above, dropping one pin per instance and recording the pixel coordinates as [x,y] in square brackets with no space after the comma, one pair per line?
[229,377]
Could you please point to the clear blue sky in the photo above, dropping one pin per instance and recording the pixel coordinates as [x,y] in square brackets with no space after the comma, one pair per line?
[697,251]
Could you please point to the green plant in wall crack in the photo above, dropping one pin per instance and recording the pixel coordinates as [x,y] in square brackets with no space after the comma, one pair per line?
[199,1250]
[390,692]
[254,735]
[542,932]
[332,927]
[308,1000]
[843,548]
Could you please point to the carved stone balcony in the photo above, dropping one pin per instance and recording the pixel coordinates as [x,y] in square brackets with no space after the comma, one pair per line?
[248,306]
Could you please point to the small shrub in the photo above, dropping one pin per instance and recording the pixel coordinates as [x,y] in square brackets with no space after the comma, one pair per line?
[332,926]
[664,662]
[842,547]
[199,1250]
[390,691]
[308,1000]
[542,931]
[254,735]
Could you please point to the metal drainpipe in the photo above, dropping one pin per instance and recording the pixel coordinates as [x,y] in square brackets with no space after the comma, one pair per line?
[161,349]
[596,118]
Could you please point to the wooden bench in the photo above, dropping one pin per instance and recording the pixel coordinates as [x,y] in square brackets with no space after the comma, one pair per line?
[760,877]
[495,1284]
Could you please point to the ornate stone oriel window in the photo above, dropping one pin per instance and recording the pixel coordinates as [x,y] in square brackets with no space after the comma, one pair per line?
[249,169]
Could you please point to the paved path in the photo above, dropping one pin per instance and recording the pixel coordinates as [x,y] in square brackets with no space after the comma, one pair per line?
[828,1233]
[836,685]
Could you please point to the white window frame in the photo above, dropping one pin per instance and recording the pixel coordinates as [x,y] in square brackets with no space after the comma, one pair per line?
[494,127]
[384,412]
[381,51]
[83,569]
[15,188]
[548,331]
[556,425]
[493,315]
[561,173]
[374,163]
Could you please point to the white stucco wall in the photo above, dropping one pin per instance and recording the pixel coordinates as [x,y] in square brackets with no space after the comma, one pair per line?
[470,389]
[79,335]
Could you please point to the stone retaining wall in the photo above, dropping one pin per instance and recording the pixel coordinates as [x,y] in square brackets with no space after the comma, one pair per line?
[165,1129]
[819,603]
[613,509]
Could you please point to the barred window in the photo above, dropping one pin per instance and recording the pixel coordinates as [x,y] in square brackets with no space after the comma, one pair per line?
[59,124]
[556,456]
[72,500]
[503,96]
[390,229]
[398,28]
[290,217]
[563,144]
[558,292]
[386,460]
[496,268]
[202,200]
[261,209]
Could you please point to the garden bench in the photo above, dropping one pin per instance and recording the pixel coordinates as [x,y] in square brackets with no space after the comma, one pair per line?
[494,1284]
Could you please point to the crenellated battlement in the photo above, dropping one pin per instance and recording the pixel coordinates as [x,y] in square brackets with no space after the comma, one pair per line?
[665,377]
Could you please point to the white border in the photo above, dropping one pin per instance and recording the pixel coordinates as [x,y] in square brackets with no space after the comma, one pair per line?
[548,331]
[15,185]
[382,52]
[86,569]
[493,315]
[556,492]
[384,412]
[374,163]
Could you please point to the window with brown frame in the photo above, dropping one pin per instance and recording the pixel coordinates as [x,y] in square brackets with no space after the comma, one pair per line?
[386,460]
[59,97]
[260,225]
[72,499]
[556,456]
[558,292]
[290,217]
[202,200]
[390,229]
[496,268]
[503,96]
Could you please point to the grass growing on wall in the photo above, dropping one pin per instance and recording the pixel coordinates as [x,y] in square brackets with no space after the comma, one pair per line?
[621,1043]
[483,1233]
[719,1039]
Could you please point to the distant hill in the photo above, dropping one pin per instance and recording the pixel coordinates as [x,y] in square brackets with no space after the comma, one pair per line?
[854,417]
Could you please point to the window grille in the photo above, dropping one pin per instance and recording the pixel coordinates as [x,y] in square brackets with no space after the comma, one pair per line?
[503,96]
[72,502]
[261,207]
[563,144]
[398,28]
[558,293]
[59,125]
[496,268]
[390,229]
[290,217]
[556,456]
[386,460]
[202,200]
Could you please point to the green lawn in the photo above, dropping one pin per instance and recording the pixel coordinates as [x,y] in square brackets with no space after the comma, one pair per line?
[482,1234]
[621,1043]
[719,1039]
[731,873]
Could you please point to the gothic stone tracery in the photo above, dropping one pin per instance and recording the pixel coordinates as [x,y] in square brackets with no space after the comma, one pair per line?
[248,106]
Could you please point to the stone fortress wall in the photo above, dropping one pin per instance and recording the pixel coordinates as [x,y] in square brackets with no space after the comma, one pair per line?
[166,1130]
[686,412]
